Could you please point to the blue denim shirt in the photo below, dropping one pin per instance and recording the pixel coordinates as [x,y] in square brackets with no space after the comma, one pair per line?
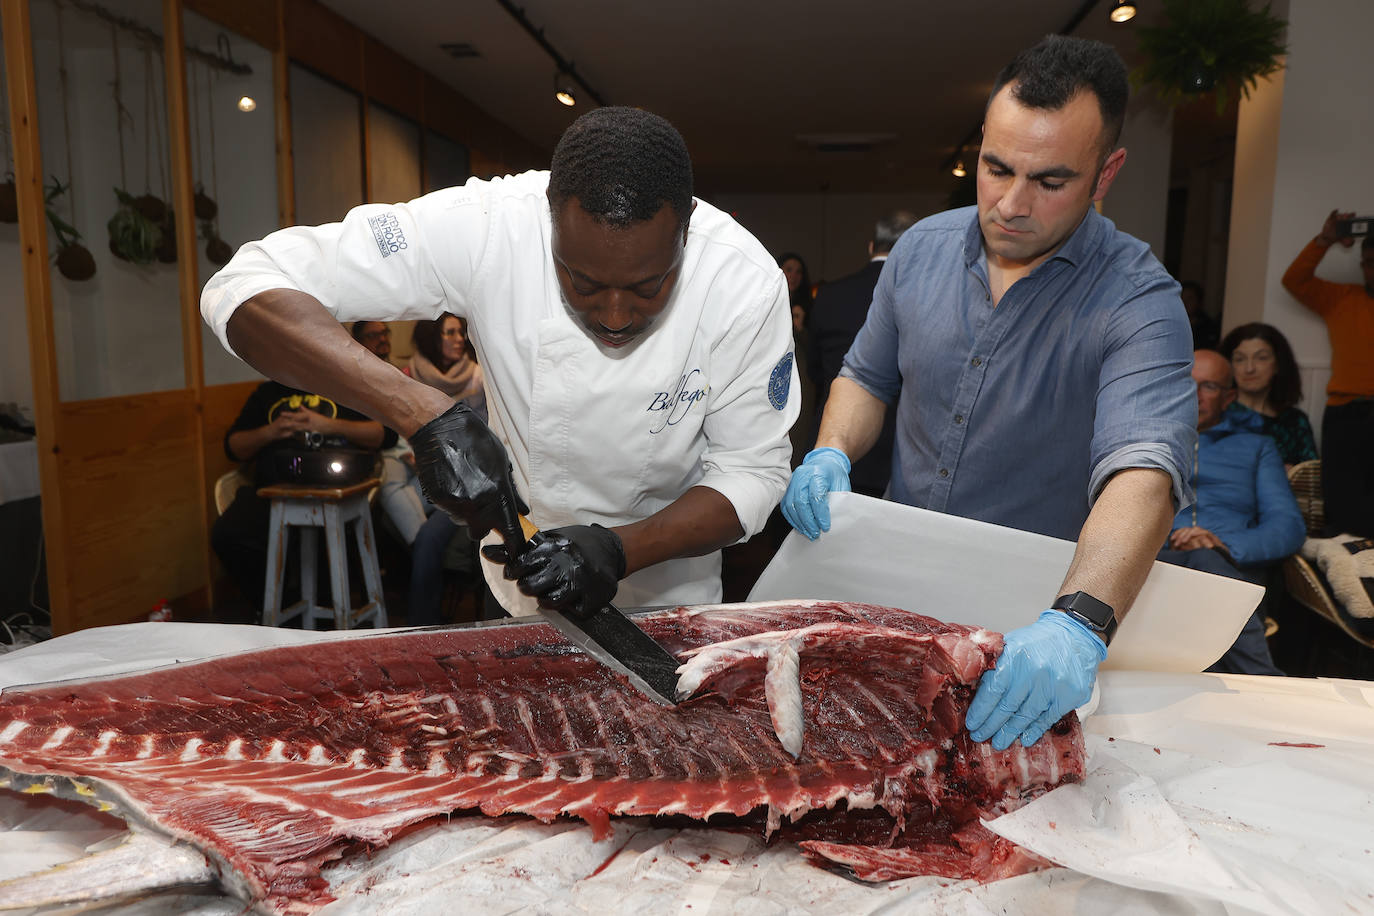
[1019,414]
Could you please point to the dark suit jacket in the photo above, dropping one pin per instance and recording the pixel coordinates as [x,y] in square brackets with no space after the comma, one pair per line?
[836,316]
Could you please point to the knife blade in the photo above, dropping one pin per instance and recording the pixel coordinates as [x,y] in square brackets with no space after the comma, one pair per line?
[605,634]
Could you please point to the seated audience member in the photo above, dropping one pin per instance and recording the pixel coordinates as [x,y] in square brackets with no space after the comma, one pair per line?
[398,494]
[1348,422]
[1206,330]
[1245,516]
[445,359]
[1268,383]
[376,336]
[273,418]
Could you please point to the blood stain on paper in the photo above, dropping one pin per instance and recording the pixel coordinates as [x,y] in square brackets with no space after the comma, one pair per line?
[1294,744]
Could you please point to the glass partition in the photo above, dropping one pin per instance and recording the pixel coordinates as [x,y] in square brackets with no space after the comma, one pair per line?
[446,162]
[327,147]
[232,122]
[103,137]
[393,159]
[16,381]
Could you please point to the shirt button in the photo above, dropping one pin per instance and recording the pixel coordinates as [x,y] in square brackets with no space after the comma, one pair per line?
[958,419]
[944,472]
[976,361]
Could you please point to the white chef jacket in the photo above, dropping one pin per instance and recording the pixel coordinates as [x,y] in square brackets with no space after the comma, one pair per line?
[595,435]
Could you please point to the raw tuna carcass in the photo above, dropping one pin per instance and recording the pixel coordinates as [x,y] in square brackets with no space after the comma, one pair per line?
[838,726]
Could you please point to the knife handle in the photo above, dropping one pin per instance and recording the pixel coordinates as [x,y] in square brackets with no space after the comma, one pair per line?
[516,530]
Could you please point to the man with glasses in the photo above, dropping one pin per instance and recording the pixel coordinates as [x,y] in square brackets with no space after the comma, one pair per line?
[1348,423]
[1244,518]
[375,336]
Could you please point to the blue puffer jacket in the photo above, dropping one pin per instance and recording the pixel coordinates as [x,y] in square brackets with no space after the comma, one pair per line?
[1242,490]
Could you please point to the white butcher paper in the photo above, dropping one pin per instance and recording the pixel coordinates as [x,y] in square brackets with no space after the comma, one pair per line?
[964,571]
[1222,820]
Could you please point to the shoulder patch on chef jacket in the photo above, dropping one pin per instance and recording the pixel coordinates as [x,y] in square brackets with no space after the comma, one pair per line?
[386,230]
[779,382]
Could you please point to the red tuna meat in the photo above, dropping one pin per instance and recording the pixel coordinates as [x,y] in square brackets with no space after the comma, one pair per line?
[275,762]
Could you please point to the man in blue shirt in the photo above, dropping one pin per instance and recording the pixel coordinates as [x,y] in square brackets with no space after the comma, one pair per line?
[1039,363]
[1245,517]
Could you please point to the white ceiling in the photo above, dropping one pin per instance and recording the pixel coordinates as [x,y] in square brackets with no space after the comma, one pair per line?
[743,79]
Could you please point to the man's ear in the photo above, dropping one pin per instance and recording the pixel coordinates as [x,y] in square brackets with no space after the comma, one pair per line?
[1107,174]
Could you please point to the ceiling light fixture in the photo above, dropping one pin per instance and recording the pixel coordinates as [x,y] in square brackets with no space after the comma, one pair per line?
[563,89]
[1122,11]
[246,103]
[566,69]
[959,170]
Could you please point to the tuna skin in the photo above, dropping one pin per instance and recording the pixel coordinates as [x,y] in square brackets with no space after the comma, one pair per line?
[278,761]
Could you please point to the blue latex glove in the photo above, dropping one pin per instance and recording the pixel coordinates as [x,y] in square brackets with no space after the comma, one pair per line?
[806,503]
[1045,670]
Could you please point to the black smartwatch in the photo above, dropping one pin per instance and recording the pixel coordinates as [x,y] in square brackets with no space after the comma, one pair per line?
[1087,610]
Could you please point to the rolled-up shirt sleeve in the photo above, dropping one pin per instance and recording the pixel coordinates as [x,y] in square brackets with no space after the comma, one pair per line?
[1147,401]
[748,453]
[376,264]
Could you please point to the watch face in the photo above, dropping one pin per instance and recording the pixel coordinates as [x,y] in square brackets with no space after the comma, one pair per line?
[1091,611]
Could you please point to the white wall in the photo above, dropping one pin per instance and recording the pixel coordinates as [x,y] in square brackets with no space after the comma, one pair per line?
[1138,201]
[1301,160]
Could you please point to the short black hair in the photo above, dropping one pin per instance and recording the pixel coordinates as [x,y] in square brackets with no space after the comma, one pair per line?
[357,329]
[622,164]
[1056,69]
[1285,390]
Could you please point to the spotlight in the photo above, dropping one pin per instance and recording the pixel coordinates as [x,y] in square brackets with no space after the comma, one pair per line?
[959,170]
[246,103]
[563,89]
[1122,11]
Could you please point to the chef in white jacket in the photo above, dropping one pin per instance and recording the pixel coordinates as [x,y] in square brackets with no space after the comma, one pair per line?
[636,344]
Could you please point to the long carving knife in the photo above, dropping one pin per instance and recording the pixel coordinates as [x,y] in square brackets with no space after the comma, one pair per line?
[605,634]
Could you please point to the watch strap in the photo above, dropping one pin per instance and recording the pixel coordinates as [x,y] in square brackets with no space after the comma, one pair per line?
[1096,615]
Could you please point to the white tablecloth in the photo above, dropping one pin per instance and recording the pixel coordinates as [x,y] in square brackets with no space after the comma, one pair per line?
[1203,797]
[18,470]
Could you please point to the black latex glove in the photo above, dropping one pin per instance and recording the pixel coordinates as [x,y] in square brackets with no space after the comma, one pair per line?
[574,569]
[464,470]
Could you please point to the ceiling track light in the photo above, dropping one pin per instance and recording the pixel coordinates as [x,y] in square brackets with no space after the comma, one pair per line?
[959,170]
[563,89]
[566,70]
[1122,11]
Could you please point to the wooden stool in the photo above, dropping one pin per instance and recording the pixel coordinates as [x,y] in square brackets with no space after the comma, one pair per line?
[331,508]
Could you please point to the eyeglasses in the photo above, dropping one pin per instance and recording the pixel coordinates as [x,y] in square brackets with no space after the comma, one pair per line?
[377,335]
[1212,387]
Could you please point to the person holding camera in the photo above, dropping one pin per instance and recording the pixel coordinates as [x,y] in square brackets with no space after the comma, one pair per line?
[277,421]
[1348,422]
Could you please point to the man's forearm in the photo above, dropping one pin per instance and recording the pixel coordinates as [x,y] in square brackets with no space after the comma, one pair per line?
[1119,541]
[696,523]
[852,420]
[289,336]
[244,444]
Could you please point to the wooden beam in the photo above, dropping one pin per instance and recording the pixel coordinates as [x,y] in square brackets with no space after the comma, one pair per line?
[255,20]
[33,244]
[188,263]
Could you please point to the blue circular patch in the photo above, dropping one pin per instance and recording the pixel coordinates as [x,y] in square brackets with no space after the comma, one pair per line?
[780,382]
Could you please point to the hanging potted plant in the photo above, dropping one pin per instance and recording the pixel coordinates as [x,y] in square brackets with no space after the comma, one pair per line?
[133,237]
[1207,45]
[73,260]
